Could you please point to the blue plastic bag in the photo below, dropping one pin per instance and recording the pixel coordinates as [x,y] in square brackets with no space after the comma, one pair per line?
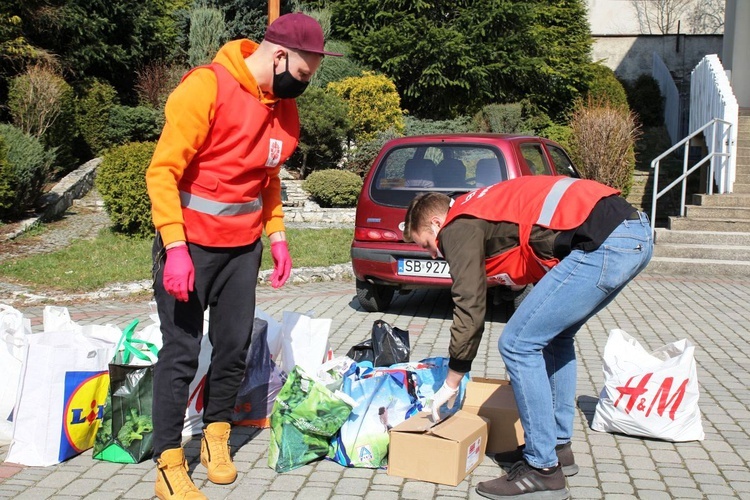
[430,373]
[383,401]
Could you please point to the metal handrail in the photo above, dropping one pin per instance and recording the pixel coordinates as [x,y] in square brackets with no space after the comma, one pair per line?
[685,171]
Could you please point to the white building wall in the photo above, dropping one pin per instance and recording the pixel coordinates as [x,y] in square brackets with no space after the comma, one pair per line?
[734,56]
[618,17]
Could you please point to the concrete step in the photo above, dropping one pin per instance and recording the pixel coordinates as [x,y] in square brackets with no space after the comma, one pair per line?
[698,267]
[690,251]
[703,212]
[722,200]
[701,224]
[666,236]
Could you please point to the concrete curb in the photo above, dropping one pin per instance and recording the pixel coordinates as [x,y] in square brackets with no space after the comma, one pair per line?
[299,276]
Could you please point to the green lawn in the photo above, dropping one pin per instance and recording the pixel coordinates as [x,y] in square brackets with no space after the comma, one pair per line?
[110,258]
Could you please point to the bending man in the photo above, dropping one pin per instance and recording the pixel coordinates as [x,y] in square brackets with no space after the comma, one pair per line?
[580,243]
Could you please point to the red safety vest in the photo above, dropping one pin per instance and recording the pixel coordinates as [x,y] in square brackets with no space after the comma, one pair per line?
[220,189]
[554,202]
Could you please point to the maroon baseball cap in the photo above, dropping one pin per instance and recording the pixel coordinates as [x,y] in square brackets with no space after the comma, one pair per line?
[298,31]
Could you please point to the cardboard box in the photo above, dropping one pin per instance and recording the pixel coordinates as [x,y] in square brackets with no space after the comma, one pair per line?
[443,453]
[494,400]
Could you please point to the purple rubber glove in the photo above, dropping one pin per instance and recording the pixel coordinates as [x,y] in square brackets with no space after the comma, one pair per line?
[179,273]
[282,263]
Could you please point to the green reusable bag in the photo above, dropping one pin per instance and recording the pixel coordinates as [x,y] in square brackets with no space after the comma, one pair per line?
[125,435]
[305,416]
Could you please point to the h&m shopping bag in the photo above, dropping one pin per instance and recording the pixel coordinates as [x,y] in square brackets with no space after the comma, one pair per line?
[61,397]
[261,384]
[646,394]
[125,434]
[14,328]
[305,416]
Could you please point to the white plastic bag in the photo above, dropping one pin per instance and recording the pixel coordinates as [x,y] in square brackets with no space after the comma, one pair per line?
[61,397]
[646,394]
[57,319]
[305,342]
[273,333]
[14,328]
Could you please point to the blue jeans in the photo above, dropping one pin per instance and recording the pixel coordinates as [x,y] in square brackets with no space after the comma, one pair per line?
[537,343]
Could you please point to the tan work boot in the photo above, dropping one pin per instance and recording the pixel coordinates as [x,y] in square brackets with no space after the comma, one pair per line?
[215,453]
[172,479]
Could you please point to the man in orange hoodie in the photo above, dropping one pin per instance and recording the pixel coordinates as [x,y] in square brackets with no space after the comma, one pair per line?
[214,187]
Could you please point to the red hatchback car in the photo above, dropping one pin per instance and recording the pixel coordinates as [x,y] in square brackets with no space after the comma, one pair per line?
[453,164]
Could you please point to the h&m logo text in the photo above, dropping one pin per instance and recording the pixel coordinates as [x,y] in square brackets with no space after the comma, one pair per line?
[636,396]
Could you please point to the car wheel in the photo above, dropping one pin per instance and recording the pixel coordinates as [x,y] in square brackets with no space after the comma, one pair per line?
[374,298]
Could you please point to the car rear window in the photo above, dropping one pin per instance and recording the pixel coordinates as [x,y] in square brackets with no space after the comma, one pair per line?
[406,171]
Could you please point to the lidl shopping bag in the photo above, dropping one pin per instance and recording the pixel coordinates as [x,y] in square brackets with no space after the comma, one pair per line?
[125,435]
[383,401]
[14,328]
[261,384]
[305,416]
[646,394]
[61,397]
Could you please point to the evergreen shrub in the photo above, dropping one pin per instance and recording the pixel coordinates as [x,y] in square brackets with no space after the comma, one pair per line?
[360,158]
[7,194]
[133,124]
[30,168]
[324,125]
[334,188]
[417,126]
[605,87]
[374,104]
[645,99]
[121,181]
[501,119]
[94,109]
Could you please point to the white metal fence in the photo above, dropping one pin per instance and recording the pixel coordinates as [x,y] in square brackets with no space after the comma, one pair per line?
[671,97]
[711,97]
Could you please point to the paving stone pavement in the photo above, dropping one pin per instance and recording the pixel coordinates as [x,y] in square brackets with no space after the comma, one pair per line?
[712,313]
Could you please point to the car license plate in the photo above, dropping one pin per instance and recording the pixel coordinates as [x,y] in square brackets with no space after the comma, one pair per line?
[424,267]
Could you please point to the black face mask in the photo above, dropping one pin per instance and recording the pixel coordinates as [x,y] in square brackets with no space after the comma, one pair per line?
[285,86]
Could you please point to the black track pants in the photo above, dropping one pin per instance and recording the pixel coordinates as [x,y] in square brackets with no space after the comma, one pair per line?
[225,280]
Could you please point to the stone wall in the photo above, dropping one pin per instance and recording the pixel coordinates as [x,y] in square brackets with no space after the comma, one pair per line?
[630,56]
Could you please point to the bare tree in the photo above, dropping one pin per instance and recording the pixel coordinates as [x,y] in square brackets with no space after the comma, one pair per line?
[661,16]
[707,17]
[35,99]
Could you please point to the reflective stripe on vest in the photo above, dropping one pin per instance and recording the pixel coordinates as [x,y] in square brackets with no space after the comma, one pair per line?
[552,200]
[212,207]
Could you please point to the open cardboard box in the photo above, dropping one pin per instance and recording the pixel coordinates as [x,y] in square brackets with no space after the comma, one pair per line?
[494,400]
[444,452]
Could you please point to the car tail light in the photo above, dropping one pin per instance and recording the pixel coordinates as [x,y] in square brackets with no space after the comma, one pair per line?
[372,234]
